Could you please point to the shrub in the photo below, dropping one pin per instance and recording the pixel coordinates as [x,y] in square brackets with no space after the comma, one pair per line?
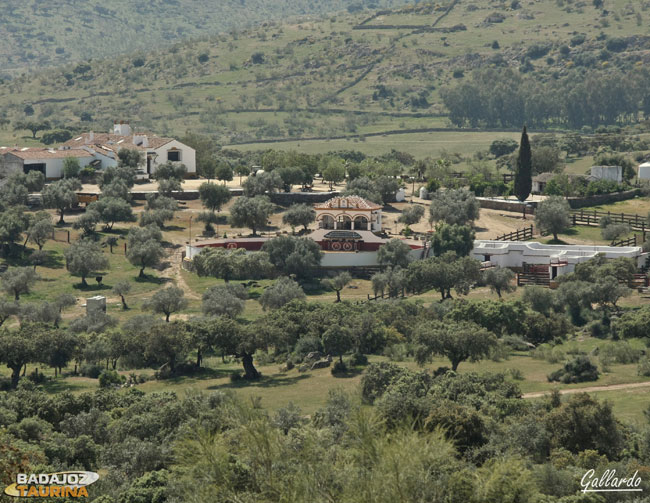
[91,370]
[619,352]
[110,378]
[358,359]
[516,374]
[339,368]
[396,352]
[580,369]
[235,376]
[643,369]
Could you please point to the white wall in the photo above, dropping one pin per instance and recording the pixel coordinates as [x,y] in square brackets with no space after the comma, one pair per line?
[644,171]
[613,173]
[514,254]
[54,166]
[188,156]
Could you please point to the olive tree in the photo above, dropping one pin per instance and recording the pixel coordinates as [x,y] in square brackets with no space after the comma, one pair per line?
[454,206]
[251,212]
[338,283]
[224,300]
[283,291]
[85,257]
[18,281]
[499,279]
[40,229]
[122,288]
[395,253]
[61,195]
[552,215]
[144,248]
[293,255]
[299,214]
[411,215]
[167,301]
[456,341]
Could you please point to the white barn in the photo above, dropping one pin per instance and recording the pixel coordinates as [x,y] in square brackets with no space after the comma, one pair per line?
[47,161]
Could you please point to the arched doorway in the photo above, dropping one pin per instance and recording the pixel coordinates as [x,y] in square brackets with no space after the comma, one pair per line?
[344,223]
[327,222]
[360,223]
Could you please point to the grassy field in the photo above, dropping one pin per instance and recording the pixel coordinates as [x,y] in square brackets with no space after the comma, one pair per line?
[419,145]
[310,389]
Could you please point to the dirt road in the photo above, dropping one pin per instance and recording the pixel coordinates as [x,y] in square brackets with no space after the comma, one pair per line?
[590,389]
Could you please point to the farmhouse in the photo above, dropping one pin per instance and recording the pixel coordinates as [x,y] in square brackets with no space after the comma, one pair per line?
[99,150]
[156,149]
[47,161]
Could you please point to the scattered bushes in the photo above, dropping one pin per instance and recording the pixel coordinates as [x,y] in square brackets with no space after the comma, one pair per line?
[110,378]
[580,369]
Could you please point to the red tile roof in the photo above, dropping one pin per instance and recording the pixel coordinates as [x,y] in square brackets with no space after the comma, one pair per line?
[30,153]
[347,202]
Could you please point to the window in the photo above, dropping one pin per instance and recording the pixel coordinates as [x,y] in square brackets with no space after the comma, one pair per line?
[34,167]
[174,155]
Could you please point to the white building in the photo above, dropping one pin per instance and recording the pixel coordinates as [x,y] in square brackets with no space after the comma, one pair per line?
[612,173]
[348,213]
[47,161]
[100,150]
[644,171]
[157,150]
[561,259]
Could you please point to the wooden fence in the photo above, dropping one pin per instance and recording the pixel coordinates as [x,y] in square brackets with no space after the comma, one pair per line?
[582,217]
[625,242]
[519,235]
[534,275]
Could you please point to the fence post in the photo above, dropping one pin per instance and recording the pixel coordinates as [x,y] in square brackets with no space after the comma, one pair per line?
[124,248]
[68,237]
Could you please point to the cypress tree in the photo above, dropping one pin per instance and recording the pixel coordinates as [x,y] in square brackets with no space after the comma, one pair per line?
[524,170]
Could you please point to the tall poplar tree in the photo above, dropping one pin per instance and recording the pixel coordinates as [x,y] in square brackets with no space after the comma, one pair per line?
[524,169]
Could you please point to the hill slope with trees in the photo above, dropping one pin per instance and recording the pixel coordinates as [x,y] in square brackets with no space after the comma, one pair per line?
[481,64]
[34,33]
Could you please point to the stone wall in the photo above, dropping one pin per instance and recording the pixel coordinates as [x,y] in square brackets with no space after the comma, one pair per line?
[506,205]
[289,198]
[583,202]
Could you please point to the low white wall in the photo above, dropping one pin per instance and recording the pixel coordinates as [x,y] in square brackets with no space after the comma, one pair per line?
[514,254]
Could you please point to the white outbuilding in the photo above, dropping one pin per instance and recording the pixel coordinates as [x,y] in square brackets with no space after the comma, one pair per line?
[644,171]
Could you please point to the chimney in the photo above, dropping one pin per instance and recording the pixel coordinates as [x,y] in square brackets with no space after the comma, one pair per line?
[122,128]
[91,137]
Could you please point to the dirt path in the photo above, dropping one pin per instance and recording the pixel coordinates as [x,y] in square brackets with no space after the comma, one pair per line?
[590,389]
[173,272]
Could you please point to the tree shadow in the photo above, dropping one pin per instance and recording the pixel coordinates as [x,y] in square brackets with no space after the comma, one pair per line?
[201,374]
[172,228]
[53,260]
[60,385]
[389,208]
[313,287]
[350,372]
[91,288]
[272,381]
[151,279]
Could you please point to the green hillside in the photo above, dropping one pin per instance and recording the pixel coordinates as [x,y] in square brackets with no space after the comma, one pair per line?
[36,34]
[562,64]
